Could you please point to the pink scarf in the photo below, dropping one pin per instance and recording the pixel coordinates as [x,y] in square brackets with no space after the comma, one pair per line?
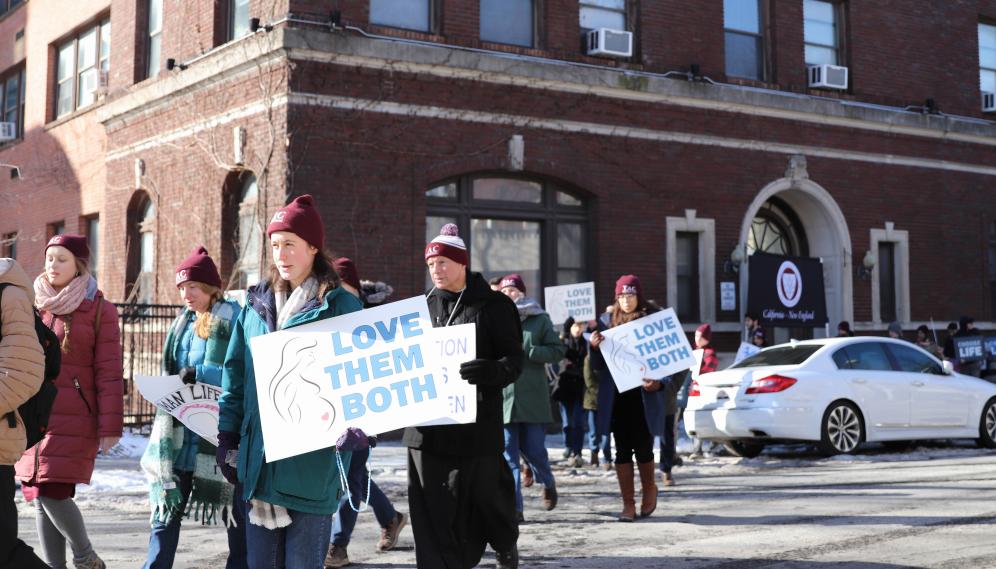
[65,301]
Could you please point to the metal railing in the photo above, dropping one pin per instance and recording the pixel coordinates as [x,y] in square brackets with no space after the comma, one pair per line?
[143,334]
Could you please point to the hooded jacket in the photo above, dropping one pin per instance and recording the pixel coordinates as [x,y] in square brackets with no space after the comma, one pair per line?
[499,338]
[22,361]
[949,349]
[528,399]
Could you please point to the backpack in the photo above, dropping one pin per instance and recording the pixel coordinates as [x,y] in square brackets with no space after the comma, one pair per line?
[36,411]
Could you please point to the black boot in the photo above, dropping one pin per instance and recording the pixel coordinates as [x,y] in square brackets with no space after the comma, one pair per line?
[508,559]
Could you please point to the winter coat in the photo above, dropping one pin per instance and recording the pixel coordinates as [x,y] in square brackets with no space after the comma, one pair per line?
[309,482]
[963,330]
[671,392]
[190,351]
[592,379]
[499,338]
[90,403]
[528,399]
[22,361]
[653,401]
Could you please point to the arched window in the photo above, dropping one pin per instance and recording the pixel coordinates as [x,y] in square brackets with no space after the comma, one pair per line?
[249,237]
[140,280]
[776,229]
[515,224]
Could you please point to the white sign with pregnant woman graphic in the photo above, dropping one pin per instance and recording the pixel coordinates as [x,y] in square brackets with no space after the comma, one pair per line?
[195,405]
[376,370]
[651,347]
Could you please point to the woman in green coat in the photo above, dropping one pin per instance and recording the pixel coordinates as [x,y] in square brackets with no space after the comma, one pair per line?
[527,401]
[291,501]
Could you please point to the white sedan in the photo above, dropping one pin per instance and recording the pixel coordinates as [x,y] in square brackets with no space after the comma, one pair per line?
[839,392]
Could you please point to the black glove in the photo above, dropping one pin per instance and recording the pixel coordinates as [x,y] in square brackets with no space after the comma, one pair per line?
[188,375]
[479,372]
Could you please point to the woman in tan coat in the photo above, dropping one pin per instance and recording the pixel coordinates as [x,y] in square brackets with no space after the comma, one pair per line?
[22,366]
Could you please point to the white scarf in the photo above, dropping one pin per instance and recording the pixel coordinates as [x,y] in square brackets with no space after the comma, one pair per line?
[289,306]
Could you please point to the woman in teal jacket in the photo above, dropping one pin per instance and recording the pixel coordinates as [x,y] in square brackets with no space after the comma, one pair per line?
[527,401]
[181,470]
[291,500]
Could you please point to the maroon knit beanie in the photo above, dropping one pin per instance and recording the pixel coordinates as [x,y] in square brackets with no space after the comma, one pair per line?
[513,280]
[302,219]
[629,284]
[448,245]
[198,267]
[760,333]
[706,332]
[75,244]
[844,325]
[347,272]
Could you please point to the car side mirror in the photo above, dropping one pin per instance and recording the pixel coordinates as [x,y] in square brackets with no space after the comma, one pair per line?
[948,367]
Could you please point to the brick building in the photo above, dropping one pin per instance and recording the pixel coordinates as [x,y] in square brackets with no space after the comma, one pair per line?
[556,164]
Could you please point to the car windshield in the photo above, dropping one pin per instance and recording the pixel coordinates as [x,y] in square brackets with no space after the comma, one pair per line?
[779,356]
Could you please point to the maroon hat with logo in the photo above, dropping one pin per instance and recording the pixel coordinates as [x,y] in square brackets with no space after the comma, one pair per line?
[760,333]
[198,267]
[513,280]
[346,270]
[706,332]
[448,245]
[302,219]
[75,244]
[629,284]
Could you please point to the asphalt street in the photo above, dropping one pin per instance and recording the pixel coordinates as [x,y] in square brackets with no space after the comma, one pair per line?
[927,507]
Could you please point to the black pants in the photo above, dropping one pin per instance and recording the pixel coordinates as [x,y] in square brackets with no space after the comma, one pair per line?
[14,553]
[629,426]
[460,504]
[668,443]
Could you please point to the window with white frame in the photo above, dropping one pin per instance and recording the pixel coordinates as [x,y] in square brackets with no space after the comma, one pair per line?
[820,30]
[687,268]
[987,58]
[249,236]
[744,35]
[890,275]
[511,22]
[887,281]
[609,14]
[238,18]
[78,58]
[12,100]
[690,267]
[413,15]
[155,38]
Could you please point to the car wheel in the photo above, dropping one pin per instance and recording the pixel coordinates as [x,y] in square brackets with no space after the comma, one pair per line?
[842,429]
[987,425]
[742,449]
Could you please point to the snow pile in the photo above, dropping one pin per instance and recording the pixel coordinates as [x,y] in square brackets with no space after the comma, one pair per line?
[114,480]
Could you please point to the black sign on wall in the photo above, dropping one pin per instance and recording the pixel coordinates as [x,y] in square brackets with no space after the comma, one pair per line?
[787,291]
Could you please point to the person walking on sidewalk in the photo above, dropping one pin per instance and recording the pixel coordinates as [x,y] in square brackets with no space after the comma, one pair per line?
[527,401]
[635,416]
[181,469]
[597,442]
[570,395]
[391,521]
[88,415]
[22,370]
[703,337]
[291,501]
[460,487]
[669,458]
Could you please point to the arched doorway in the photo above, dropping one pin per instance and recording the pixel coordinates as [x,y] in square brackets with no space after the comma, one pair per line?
[803,219]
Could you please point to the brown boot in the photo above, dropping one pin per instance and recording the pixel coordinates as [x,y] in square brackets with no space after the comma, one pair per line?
[625,474]
[649,502]
[594,459]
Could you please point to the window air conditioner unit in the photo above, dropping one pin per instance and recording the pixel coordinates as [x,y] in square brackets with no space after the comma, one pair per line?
[827,76]
[95,81]
[615,43]
[988,102]
[8,131]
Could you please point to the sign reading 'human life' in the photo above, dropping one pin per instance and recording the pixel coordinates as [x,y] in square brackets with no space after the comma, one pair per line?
[575,301]
[195,405]
[652,347]
[376,370]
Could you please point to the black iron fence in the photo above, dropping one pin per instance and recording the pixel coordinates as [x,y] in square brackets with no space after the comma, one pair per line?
[143,333]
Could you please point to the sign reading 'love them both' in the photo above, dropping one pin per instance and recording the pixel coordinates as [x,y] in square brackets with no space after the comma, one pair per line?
[378,370]
[652,347]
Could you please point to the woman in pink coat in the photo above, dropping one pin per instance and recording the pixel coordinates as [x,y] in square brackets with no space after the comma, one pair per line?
[88,412]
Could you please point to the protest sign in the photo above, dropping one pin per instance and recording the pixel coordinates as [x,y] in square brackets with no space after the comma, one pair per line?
[697,367]
[969,348]
[991,345]
[787,291]
[455,345]
[376,370]
[652,347]
[745,351]
[195,405]
[575,301]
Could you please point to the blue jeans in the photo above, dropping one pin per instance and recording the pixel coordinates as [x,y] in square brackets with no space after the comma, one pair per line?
[301,545]
[164,538]
[572,415]
[530,440]
[345,518]
[668,443]
[598,442]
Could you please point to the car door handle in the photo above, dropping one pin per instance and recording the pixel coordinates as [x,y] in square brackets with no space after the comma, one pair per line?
[859,380]
[916,383]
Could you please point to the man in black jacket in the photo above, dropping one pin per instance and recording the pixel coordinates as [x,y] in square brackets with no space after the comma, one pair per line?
[460,489]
